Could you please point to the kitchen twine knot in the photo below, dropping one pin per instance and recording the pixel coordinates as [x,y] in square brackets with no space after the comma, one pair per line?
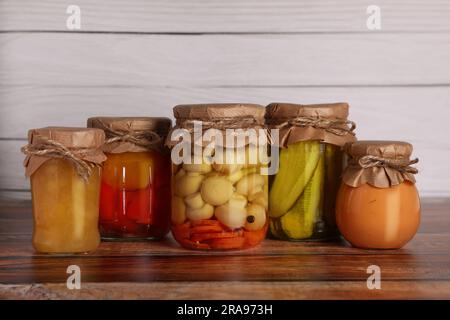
[401,165]
[53,149]
[338,127]
[243,122]
[219,124]
[146,139]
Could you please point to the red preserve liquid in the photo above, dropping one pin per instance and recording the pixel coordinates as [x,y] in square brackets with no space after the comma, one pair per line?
[135,196]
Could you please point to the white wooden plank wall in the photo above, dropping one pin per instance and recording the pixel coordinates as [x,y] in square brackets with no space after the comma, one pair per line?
[141,57]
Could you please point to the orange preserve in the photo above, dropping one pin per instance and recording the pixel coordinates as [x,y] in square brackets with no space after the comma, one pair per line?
[135,186]
[219,202]
[63,164]
[378,204]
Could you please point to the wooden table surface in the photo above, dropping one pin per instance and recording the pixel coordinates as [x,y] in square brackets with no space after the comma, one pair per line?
[274,270]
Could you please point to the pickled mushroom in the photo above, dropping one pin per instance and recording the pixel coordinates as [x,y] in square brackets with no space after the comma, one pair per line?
[205,212]
[188,185]
[216,190]
[256,217]
[178,210]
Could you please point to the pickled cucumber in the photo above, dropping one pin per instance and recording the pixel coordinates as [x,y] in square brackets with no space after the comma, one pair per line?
[275,229]
[333,172]
[298,223]
[297,164]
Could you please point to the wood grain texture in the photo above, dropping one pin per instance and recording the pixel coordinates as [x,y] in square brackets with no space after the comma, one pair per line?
[224,60]
[274,270]
[229,16]
[224,268]
[380,112]
[232,290]
[12,176]
[423,244]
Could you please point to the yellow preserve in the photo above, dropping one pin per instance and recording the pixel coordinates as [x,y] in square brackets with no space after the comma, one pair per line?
[63,166]
[65,208]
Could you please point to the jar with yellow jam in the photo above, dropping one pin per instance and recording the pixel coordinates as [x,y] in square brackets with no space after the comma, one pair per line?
[378,205]
[135,188]
[220,189]
[64,168]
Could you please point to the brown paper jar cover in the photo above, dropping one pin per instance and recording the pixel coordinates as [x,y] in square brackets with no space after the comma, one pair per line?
[279,113]
[220,116]
[131,125]
[378,175]
[85,142]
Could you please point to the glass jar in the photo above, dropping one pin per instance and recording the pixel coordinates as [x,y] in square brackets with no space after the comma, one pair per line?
[378,205]
[303,191]
[63,166]
[219,202]
[135,187]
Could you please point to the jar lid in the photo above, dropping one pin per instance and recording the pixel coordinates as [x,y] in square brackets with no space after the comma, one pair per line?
[218,111]
[132,134]
[70,137]
[221,117]
[80,146]
[160,125]
[381,164]
[277,110]
[385,149]
[298,122]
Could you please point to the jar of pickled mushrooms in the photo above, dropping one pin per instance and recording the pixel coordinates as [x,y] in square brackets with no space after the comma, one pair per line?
[220,190]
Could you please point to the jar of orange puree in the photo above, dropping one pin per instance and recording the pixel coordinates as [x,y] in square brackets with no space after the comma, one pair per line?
[378,204]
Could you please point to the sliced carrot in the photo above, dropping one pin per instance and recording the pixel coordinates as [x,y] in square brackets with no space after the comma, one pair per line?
[181,231]
[227,243]
[193,245]
[205,222]
[207,229]
[215,235]
[252,238]
[185,225]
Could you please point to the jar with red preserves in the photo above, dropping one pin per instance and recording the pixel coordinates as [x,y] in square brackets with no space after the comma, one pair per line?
[378,204]
[135,184]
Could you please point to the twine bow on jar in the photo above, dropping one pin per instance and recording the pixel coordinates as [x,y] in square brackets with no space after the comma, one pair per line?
[236,123]
[401,165]
[338,127]
[146,139]
[52,149]
[223,123]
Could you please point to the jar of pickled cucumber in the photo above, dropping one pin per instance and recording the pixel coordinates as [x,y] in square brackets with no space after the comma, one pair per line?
[303,192]
[378,205]
[135,188]
[64,168]
[220,188]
